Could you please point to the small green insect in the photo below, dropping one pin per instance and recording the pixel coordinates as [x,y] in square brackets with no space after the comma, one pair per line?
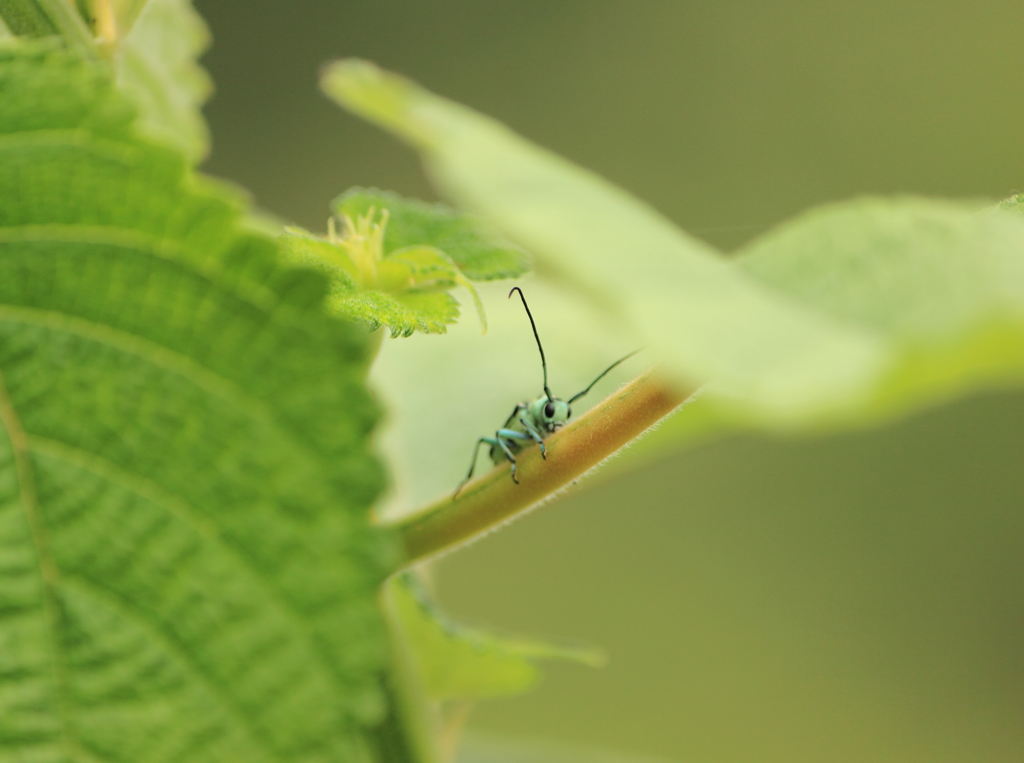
[530,422]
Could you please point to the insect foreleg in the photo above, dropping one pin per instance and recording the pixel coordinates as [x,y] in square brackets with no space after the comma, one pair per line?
[472,464]
[535,435]
[510,434]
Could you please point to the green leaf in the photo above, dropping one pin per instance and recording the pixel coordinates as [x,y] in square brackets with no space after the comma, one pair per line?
[480,253]
[42,18]
[26,18]
[1013,204]
[938,283]
[156,67]
[429,312]
[775,336]
[403,312]
[456,662]
[187,570]
[427,268]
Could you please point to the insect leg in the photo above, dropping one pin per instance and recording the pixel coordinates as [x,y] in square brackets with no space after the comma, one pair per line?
[472,464]
[535,435]
[510,434]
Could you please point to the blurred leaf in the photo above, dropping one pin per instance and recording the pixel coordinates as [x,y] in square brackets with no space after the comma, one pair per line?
[456,662]
[940,283]
[848,314]
[482,255]
[156,67]
[188,570]
[1012,204]
[26,18]
[126,13]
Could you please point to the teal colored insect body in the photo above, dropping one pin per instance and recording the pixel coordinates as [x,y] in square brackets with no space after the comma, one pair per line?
[531,421]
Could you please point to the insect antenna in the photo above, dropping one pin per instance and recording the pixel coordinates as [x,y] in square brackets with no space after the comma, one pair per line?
[543,362]
[577,396]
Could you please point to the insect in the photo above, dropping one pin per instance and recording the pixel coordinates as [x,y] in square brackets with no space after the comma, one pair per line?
[531,421]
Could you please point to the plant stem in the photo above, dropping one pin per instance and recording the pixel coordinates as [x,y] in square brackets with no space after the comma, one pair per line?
[494,498]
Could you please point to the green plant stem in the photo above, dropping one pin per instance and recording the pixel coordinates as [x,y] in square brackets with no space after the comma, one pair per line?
[493,498]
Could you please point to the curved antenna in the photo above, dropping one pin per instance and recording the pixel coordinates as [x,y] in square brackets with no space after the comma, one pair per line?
[543,362]
[576,397]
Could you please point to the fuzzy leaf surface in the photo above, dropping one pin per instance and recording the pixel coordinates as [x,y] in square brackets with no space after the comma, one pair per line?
[481,254]
[401,311]
[186,567]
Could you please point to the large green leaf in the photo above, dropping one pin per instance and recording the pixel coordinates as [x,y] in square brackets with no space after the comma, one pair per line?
[187,571]
[941,284]
[774,336]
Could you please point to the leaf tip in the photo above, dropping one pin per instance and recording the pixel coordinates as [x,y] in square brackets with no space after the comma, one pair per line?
[368,91]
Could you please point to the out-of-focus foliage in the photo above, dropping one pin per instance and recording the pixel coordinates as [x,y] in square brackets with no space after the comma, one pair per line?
[156,67]
[458,662]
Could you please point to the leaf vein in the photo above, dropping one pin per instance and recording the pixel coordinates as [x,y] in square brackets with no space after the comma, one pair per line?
[231,707]
[47,567]
[128,238]
[205,526]
[162,357]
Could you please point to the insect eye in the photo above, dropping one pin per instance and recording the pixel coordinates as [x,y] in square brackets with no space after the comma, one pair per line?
[568,413]
[549,409]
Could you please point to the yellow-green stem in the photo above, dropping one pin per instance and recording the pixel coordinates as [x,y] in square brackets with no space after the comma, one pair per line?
[493,498]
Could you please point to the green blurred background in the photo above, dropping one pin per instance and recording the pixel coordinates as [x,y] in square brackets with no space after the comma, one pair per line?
[849,598]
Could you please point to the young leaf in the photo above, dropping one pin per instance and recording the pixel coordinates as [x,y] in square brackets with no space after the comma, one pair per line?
[481,254]
[456,662]
[187,569]
[395,303]
[403,289]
